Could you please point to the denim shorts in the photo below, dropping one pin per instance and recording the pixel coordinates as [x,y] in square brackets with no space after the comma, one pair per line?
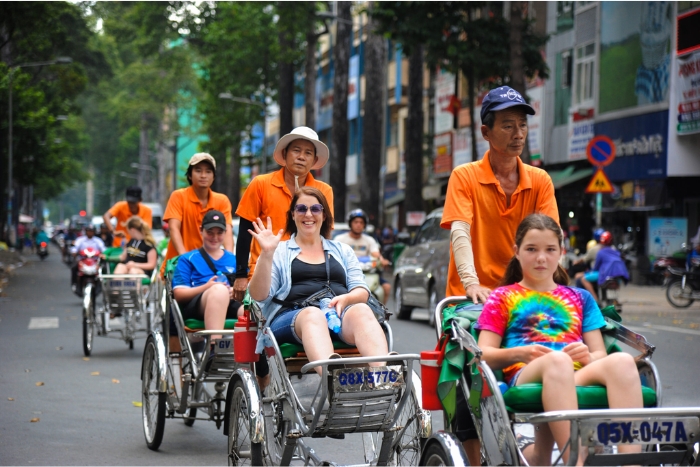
[282,327]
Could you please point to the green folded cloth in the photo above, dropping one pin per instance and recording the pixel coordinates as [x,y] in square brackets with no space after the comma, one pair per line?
[455,357]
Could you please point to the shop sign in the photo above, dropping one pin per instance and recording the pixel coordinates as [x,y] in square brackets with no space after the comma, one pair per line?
[688,87]
[442,164]
[415,218]
[641,146]
[666,235]
[324,93]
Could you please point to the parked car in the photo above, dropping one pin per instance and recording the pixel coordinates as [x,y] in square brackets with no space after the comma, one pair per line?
[420,273]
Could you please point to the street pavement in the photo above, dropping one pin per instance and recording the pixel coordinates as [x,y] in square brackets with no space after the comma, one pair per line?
[61,408]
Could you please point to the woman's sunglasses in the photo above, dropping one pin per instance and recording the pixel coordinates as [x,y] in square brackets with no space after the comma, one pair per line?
[302,208]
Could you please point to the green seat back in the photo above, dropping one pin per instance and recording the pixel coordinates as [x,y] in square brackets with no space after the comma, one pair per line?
[170,267]
[146,281]
[527,398]
[290,350]
[199,324]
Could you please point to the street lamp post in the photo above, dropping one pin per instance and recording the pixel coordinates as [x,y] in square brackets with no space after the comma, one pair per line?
[10,191]
[263,106]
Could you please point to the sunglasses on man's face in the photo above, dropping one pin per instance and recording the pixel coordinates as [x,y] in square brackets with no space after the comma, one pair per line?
[302,208]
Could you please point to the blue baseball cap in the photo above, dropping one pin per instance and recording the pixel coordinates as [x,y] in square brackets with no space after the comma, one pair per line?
[503,98]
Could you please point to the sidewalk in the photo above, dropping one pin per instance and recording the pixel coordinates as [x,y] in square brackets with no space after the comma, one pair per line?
[648,304]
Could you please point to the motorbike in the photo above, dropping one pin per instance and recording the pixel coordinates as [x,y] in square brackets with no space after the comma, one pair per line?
[42,250]
[684,285]
[88,263]
[661,268]
[608,293]
[371,267]
[67,254]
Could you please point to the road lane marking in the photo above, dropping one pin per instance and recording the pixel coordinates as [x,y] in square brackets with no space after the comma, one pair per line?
[43,323]
[671,329]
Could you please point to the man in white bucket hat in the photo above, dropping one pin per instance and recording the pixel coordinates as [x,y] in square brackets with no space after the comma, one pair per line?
[270,195]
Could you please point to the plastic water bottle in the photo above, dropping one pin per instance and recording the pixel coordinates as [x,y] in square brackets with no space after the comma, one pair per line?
[331,315]
[221,278]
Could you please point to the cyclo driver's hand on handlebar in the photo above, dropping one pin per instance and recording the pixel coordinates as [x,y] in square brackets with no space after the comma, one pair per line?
[478,293]
[239,287]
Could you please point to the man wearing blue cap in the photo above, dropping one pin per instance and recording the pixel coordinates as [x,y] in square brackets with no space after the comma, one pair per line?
[486,201]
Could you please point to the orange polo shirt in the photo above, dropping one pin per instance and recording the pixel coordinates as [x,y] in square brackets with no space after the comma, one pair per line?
[122,212]
[475,196]
[268,195]
[184,206]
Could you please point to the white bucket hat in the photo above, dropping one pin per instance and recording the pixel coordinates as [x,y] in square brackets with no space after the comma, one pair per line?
[302,132]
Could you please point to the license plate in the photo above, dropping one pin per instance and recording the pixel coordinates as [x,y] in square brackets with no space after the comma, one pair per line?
[223,346]
[672,430]
[118,284]
[367,379]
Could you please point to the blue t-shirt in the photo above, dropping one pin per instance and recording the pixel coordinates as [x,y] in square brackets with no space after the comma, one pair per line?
[192,270]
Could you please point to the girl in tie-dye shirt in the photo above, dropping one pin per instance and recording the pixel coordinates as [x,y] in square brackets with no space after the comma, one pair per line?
[538,330]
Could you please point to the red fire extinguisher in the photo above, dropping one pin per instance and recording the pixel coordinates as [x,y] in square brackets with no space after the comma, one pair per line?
[244,340]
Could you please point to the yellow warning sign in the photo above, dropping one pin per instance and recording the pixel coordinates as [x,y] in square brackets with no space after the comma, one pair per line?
[600,183]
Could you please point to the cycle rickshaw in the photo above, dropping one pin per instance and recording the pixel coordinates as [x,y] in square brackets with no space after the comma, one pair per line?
[667,435]
[134,297]
[381,403]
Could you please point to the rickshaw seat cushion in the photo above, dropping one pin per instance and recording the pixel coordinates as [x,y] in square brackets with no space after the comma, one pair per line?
[198,324]
[527,398]
[291,350]
[146,281]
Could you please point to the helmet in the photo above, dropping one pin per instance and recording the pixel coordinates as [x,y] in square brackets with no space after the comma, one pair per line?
[355,213]
[597,233]
[606,238]
[90,227]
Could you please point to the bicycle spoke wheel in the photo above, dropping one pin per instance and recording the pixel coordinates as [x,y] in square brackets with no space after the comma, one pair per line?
[88,320]
[241,451]
[153,401]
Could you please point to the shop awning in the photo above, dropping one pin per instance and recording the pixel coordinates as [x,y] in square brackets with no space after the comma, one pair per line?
[394,200]
[561,178]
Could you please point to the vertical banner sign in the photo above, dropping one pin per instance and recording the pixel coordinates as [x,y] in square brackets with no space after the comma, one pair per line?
[534,135]
[581,130]
[444,90]
[354,87]
[688,90]
[443,154]
[462,152]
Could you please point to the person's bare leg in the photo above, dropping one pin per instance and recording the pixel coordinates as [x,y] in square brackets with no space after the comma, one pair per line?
[311,322]
[361,328]
[618,373]
[473,449]
[588,286]
[555,371]
[214,305]
[540,453]
[120,269]
[387,292]
[136,270]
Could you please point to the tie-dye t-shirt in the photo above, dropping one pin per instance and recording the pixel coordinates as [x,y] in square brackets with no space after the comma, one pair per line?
[552,319]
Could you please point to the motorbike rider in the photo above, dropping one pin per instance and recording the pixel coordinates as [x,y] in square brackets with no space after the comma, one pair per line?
[608,265]
[363,244]
[123,210]
[89,240]
[588,260]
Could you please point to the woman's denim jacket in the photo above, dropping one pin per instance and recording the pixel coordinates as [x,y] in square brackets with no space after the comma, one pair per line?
[281,281]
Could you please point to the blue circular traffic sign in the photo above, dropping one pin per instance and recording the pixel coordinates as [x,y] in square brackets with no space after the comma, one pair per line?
[600,151]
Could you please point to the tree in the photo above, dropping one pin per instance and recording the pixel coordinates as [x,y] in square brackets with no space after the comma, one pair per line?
[46,152]
[291,29]
[414,130]
[375,105]
[339,145]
